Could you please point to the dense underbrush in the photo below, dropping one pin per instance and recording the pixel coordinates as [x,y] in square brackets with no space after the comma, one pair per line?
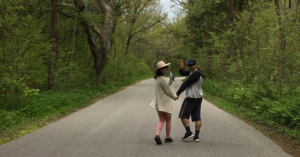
[259,104]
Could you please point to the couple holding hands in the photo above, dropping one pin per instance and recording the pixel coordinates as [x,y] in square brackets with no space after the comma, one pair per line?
[191,105]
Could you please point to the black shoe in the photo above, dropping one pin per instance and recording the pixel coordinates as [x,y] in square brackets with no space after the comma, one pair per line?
[196,139]
[157,139]
[168,140]
[187,136]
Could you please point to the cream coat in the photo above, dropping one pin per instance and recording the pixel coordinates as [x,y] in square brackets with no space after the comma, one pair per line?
[163,95]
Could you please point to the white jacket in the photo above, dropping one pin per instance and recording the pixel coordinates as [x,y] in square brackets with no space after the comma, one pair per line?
[163,95]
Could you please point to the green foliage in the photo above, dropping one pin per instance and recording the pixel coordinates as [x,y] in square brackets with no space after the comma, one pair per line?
[26,51]
[10,119]
[249,53]
[23,48]
[92,19]
[250,56]
[124,67]
[283,112]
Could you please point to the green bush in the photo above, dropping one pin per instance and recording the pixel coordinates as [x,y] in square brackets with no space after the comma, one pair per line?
[10,119]
[272,110]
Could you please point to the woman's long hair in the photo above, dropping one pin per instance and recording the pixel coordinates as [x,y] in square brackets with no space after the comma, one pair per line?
[158,73]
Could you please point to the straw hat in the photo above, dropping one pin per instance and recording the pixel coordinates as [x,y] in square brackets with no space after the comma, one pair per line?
[161,64]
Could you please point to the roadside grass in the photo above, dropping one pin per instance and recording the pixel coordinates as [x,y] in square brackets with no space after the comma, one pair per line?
[263,107]
[287,139]
[47,107]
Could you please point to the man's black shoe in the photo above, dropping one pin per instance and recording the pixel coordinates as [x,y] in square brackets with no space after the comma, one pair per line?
[168,140]
[187,136]
[157,139]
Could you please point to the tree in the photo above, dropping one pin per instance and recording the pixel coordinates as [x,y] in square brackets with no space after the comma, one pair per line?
[22,50]
[139,17]
[109,10]
[53,55]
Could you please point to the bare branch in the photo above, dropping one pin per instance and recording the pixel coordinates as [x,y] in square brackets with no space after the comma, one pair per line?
[96,30]
[170,31]
[142,8]
[180,2]
[91,40]
[151,25]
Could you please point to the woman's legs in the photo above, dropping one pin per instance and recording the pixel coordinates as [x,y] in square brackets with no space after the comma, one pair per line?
[162,118]
[161,122]
[168,124]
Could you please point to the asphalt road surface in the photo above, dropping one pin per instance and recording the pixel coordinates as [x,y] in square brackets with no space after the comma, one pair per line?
[124,124]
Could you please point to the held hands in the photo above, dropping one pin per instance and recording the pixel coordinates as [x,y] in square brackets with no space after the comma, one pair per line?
[181,64]
[177,97]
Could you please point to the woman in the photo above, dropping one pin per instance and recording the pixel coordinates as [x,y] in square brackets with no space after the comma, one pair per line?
[163,102]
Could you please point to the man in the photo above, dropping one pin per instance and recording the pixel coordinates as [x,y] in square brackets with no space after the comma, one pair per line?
[191,105]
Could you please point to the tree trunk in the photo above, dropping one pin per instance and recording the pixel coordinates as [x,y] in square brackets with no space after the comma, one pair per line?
[101,52]
[281,27]
[123,45]
[127,44]
[2,37]
[53,55]
[3,45]
[72,54]
[100,59]
[281,58]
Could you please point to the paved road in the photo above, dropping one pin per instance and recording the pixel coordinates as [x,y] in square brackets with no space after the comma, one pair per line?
[124,124]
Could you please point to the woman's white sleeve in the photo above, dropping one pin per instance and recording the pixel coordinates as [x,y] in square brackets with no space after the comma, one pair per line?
[166,88]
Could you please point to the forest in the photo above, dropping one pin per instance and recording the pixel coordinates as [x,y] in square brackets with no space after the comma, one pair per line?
[56,56]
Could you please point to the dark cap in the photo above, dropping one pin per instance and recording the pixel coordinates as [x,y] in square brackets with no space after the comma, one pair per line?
[191,62]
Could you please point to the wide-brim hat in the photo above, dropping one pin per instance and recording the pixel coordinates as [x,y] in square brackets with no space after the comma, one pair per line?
[161,64]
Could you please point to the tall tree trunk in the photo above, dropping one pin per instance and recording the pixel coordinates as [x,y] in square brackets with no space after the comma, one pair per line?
[98,53]
[281,58]
[101,52]
[281,27]
[3,45]
[123,45]
[128,44]
[139,52]
[73,47]
[53,55]
[2,37]
[129,36]
[232,10]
